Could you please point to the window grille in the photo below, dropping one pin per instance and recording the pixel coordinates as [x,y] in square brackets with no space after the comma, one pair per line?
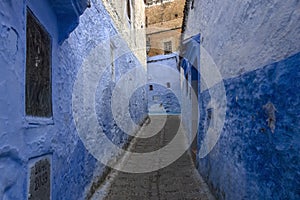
[38,99]
[168,47]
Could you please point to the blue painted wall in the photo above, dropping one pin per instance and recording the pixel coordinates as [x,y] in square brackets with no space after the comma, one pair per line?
[162,69]
[138,109]
[253,48]
[162,100]
[73,168]
[190,85]
[249,161]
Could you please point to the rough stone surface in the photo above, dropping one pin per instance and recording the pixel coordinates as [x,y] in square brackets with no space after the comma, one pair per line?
[178,181]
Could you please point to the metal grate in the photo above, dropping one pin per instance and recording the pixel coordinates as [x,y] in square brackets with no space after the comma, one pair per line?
[38,69]
[168,47]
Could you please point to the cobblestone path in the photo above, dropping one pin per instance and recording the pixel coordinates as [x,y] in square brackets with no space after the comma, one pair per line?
[178,181]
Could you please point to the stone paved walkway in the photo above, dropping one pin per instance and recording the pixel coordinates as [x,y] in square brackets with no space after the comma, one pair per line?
[178,181]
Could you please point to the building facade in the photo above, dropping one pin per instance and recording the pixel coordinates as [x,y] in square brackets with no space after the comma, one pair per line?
[44,45]
[163,85]
[129,19]
[247,56]
[163,26]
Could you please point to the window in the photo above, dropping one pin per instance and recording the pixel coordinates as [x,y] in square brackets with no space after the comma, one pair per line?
[148,41]
[193,4]
[168,47]
[38,100]
[128,10]
[150,87]
[152,2]
[168,84]
[186,83]
[210,117]
[148,44]
[155,98]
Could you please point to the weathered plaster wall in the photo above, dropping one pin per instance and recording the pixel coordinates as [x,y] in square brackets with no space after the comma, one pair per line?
[73,168]
[165,12]
[249,161]
[133,30]
[161,71]
[163,22]
[242,36]
[255,46]
[189,80]
[158,37]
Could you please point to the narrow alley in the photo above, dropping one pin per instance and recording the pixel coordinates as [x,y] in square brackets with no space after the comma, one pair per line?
[180,180]
[149,100]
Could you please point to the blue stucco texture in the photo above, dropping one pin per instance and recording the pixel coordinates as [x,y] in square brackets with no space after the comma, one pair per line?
[75,172]
[164,98]
[83,40]
[136,109]
[72,166]
[165,80]
[249,161]
[137,104]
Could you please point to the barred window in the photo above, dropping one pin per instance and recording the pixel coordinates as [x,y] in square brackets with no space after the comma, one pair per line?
[168,47]
[38,99]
